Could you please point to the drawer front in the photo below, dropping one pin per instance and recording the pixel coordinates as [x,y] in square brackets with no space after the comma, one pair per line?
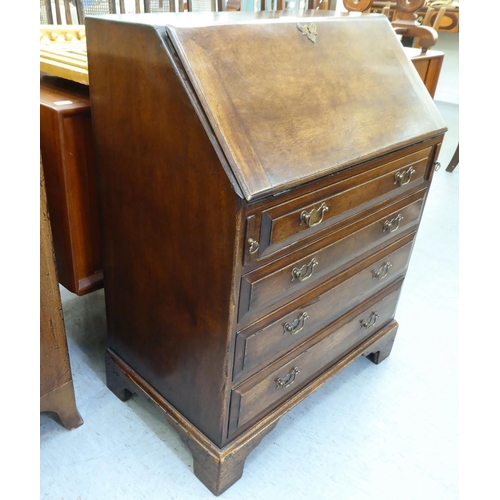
[257,343]
[303,216]
[261,393]
[300,271]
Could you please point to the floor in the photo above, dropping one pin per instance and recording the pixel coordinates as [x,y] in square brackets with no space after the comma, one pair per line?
[386,432]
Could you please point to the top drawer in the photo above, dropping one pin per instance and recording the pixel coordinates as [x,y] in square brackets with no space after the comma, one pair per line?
[300,217]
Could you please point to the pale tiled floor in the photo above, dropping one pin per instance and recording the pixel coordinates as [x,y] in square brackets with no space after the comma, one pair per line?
[386,432]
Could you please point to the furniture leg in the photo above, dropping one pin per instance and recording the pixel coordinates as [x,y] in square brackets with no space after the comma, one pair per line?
[118,383]
[217,468]
[381,349]
[454,161]
[62,402]
[56,383]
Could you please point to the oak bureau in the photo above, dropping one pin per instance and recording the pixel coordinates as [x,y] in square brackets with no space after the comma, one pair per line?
[259,204]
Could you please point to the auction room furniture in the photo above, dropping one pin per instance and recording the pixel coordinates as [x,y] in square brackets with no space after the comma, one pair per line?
[260,193]
[67,152]
[441,15]
[56,383]
[454,160]
[63,52]
[76,10]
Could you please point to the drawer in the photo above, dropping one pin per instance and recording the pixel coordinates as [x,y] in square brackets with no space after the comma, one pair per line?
[284,224]
[261,393]
[265,339]
[306,267]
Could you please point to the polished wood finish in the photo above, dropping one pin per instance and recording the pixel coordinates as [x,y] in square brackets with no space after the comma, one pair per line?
[428,66]
[439,17]
[454,160]
[255,348]
[270,285]
[67,151]
[267,154]
[56,383]
[211,191]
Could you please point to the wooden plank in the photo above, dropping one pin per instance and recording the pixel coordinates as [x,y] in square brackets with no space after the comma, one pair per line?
[63,70]
[63,57]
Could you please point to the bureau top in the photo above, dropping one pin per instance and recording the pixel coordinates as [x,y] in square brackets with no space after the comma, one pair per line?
[292,98]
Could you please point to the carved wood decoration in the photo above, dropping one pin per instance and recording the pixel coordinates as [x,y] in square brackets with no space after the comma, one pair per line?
[357,5]
[63,52]
[407,10]
[406,23]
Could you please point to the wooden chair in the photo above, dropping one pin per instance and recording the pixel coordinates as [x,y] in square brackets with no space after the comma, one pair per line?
[406,22]
[47,12]
[96,7]
[160,6]
[204,5]
[91,7]
[192,5]
[272,5]
[454,161]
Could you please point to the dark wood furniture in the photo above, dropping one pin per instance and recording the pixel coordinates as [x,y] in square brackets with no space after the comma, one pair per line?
[259,209]
[428,66]
[454,160]
[57,393]
[67,153]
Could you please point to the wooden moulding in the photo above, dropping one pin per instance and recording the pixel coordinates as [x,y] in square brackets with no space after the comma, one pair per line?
[63,52]
[56,383]
[219,468]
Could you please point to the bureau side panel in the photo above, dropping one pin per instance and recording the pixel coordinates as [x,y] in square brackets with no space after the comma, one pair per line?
[170,221]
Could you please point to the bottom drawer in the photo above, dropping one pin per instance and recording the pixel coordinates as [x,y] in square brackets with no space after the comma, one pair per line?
[263,392]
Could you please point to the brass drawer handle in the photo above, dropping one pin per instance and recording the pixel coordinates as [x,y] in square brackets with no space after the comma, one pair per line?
[370,321]
[392,225]
[403,177]
[296,325]
[314,217]
[305,272]
[254,246]
[381,272]
[288,379]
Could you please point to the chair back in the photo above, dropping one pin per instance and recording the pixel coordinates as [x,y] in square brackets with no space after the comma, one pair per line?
[160,6]
[56,11]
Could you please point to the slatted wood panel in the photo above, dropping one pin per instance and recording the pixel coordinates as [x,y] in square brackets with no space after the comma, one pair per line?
[63,52]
